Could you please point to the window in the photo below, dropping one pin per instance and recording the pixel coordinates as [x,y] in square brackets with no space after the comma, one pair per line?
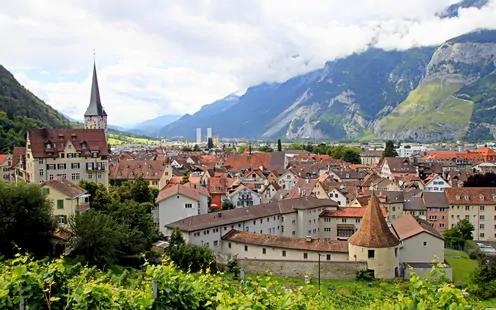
[425,243]
[99,175]
[327,229]
[482,235]
[396,252]
[328,257]
[467,208]
[481,226]
[90,175]
[481,217]
[371,254]
[467,217]
[46,191]
[188,205]
[51,167]
[284,253]
[327,219]
[442,209]
[357,220]
[442,225]
[75,166]
[75,176]
[62,155]
[481,208]
[60,204]
[293,233]
[305,255]
[41,172]
[50,177]
[343,220]
[40,161]
[216,242]
[264,251]
[62,219]
[61,166]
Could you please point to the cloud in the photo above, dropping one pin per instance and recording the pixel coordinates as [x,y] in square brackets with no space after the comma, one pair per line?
[168,57]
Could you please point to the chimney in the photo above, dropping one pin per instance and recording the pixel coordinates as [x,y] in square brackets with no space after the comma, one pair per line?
[307,181]
[219,214]
[299,191]
[308,238]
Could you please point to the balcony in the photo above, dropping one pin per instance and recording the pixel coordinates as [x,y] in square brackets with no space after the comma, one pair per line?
[82,207]
[95,167]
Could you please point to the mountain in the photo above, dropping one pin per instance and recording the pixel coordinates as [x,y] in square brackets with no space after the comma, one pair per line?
[151,127]
[452,10]
[20,111]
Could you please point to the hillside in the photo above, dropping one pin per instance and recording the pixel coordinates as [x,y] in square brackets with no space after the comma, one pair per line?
[20,111]
[427,94]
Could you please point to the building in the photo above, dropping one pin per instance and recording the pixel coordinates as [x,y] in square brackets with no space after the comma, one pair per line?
[67,198]
[209,133]
[475,204]
[420,245]
[437,210]
[243,196]
[288,179]
[397,167]
[179,202]
[73,154]
[6,170]
[409,150]
[480,155]
[371,157]
[374,243]
[198,136]
[290,217]
[95,116]
[435,183]
[156,173]
[308,187]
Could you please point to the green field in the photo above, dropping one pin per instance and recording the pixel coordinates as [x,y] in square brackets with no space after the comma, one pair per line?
[431,107]
[123,138]
[462,267]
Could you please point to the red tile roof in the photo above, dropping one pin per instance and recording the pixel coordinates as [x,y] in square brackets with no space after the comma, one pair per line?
[66,187]
[373,231]
[270,161]
[95,141]
[184,190]
[471,195]
[2,158]
[131,169]
[356,212]
[285,242]
[304,186]
[408,226]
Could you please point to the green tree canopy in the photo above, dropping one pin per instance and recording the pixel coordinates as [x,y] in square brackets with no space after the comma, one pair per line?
[279,145]
[140,190]
[389,151]
[460,233]
[227,205]
[26,220]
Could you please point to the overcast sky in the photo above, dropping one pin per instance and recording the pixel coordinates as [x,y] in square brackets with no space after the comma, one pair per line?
[170,57]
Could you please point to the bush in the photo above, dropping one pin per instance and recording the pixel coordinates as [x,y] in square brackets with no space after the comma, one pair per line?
[364,275]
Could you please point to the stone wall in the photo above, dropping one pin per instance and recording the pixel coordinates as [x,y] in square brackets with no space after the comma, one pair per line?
[339,270]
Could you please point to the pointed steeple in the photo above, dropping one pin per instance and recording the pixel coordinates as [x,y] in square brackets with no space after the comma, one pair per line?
[373,231]
[95,108]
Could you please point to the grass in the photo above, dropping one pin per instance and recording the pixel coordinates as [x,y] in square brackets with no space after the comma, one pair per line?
[462,267]
[431,107]
[121,138]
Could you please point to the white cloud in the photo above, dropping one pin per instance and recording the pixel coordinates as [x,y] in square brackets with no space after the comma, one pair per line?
[168,57]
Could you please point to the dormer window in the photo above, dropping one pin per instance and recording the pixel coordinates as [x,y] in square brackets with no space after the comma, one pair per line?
[48,145]
[84,144]
[457,197]
[467,197]
[481,197]
[494,197]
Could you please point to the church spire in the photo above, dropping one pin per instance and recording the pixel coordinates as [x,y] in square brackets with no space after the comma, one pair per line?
[95,108]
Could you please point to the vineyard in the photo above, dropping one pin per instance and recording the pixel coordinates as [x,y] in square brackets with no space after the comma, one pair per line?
[54,284]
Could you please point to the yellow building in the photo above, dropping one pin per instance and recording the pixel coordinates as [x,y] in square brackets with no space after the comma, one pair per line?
[374,243]
[67,198]
[156,173]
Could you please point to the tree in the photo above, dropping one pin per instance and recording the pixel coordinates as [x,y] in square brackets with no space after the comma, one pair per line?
[188,256]
[320,149]
[481,180]
[176,241]
[265,149]
[95,235]
[196,148]
[210,143]
[26,220]
[389,151]
[460,233]
[351,156]
[279,145]
[140,190]
[227,205]
[186,149]
[102,201]
[309,147]
[90,187]
[153,194]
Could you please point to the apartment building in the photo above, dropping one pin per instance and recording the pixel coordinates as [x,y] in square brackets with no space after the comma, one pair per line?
[156,173]
[477,205]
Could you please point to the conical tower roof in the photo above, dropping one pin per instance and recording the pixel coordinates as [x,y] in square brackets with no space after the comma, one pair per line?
[373,231]
[95,108]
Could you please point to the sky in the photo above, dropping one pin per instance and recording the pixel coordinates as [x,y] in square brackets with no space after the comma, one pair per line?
[171,57]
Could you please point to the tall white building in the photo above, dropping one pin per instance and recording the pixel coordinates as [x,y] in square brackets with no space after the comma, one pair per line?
[209,133]
[198,136]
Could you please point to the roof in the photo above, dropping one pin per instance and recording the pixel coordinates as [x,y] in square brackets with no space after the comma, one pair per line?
[217,185]
[373,231]
[131,169]
[286,242]
[304,186]
[3,157]
[95,108]
[239,215]
[408,226]
[95,141]
[66,187]
[414,203]
[471,195]
[435,199]
[17,154]
[270,161]
[356,212]
[400,165]
[183,190]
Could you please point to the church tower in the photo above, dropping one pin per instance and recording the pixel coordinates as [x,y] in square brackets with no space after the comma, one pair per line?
[95,116]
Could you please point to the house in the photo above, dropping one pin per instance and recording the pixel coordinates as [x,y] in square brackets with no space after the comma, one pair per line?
[414,205]
[73,154]
[19,164]
[67,197]
[374,243]
[397,167]
[480,155]
[475,204]
[156,173]
[242,196]
[420,245]
[179,202]
[251,245]
[6,170]
[371,157]
[268,191]
[347,175]
[308,187]
[383,184]
[217,188]
[437,210]
[287,179]
[290,217]
[266,161]
[338,195]
[435,183]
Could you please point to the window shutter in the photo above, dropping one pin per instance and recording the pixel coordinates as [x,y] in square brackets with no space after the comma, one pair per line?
[60,204]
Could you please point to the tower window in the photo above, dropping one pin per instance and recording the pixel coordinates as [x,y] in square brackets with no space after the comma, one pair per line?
[371,254]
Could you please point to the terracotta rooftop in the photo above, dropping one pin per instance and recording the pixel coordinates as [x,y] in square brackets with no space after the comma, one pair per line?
[304,186]
[239,215]
[270,161]
[184,190]
[471,195]
[66,187]
[408,226]
[373,231]
[95,141]
[357,212]
[285,242]
[131,169]
[19,151]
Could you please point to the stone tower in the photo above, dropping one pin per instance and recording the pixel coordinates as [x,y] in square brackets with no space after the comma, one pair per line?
[95,116]
[375,244]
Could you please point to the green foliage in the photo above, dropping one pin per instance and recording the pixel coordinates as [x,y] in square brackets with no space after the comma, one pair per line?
[348,154]
[196,148]
[265,149]
[188,256]
[241,149]
[187,149]
[481,180]
[227,205]
[26,220]
[140,190]
[389,150]
[364,275]
[20,111]
[210,143]
[279,145]
[459,234]
[483,280]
